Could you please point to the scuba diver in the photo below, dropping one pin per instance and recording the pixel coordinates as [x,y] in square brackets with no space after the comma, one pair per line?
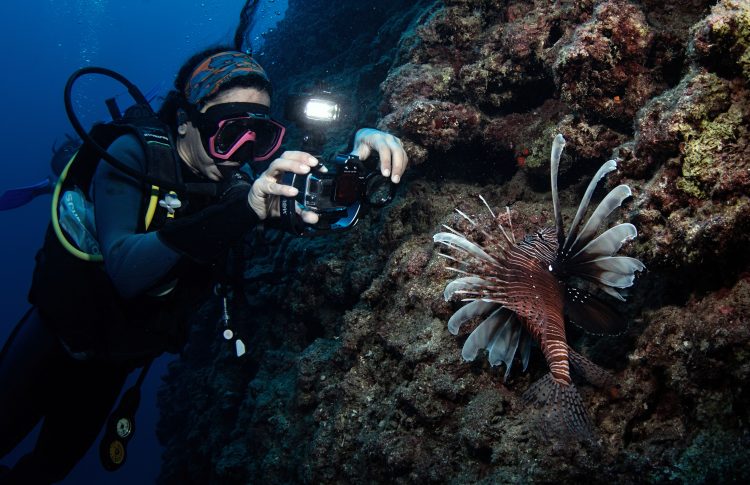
[61,155]
[20,196]
[166,204]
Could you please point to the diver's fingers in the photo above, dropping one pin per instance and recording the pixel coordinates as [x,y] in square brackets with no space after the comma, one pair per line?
[297,162]
[385,161]
[364,141]
[396,156]
[309,217]
[300,156]
[362,150]
[399,159]
[281,165]
[393,158]
[263,187]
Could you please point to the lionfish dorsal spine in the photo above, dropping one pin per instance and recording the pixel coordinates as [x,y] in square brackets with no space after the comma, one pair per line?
[610,202]
[557,147]
[607,167]
[487,206]
[461,243]
[606,244]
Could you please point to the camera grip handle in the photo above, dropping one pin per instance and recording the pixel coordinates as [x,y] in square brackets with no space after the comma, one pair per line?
[291,221]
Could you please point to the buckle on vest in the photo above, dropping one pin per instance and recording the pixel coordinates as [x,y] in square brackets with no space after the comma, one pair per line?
[170,202]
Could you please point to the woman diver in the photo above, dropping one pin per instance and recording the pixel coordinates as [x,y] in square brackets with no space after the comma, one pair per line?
[91,323]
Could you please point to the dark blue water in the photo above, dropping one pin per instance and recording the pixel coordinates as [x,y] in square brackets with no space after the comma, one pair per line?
[44,41]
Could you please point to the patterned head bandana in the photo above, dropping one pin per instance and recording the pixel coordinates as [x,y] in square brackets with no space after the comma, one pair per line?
[217,69]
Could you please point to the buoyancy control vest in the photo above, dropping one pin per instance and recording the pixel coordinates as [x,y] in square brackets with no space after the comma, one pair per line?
[70,286]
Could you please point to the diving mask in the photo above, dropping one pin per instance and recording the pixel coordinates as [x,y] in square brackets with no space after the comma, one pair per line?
[242,132]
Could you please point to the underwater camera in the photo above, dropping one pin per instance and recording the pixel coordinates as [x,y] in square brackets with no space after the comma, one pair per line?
[350,184]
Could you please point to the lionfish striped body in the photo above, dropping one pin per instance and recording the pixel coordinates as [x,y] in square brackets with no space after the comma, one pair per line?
[524,290]
[537,297]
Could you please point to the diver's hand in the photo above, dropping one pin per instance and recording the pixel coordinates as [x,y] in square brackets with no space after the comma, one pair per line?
[393,159]
[264,195]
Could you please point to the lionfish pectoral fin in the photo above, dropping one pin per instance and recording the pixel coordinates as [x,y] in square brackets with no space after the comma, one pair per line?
[466,312]
[503,348]
[591,314]
[613,271]
[563,414]
[463,284]
[592,373]
[605,244]
[462,244]
[482,335]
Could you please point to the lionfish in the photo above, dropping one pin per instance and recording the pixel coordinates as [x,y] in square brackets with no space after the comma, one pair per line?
[524,289]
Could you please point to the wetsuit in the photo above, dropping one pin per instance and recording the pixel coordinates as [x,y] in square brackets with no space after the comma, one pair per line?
[42,377]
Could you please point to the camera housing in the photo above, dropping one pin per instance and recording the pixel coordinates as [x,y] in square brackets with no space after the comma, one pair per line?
[338,194]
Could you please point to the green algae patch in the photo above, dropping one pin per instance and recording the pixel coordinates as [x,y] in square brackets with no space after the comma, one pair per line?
[703,153]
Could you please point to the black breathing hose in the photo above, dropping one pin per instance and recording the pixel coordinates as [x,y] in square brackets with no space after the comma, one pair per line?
[141,100]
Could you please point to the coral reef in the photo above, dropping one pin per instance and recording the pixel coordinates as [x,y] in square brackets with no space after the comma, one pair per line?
[351,374]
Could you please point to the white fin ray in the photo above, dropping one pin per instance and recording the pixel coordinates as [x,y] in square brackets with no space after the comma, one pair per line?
[460,242]
[607,167]
[488,206]
[557,147]
[466,312]
[615,280]
[612,201]
[467,282]
[615,264]
[606,244]
[611,292]
[480,337]
[503,347]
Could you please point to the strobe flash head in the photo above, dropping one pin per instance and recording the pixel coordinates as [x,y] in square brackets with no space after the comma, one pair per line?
[320,110]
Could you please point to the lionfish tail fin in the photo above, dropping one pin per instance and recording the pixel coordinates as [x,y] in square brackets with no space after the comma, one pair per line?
[592,373]
[562,412]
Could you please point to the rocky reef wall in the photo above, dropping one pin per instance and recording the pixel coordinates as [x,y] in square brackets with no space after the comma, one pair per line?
[351,374]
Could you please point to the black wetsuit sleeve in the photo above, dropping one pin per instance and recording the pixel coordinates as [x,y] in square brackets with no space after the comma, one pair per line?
[207,234]
[134,261]
[137,261]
